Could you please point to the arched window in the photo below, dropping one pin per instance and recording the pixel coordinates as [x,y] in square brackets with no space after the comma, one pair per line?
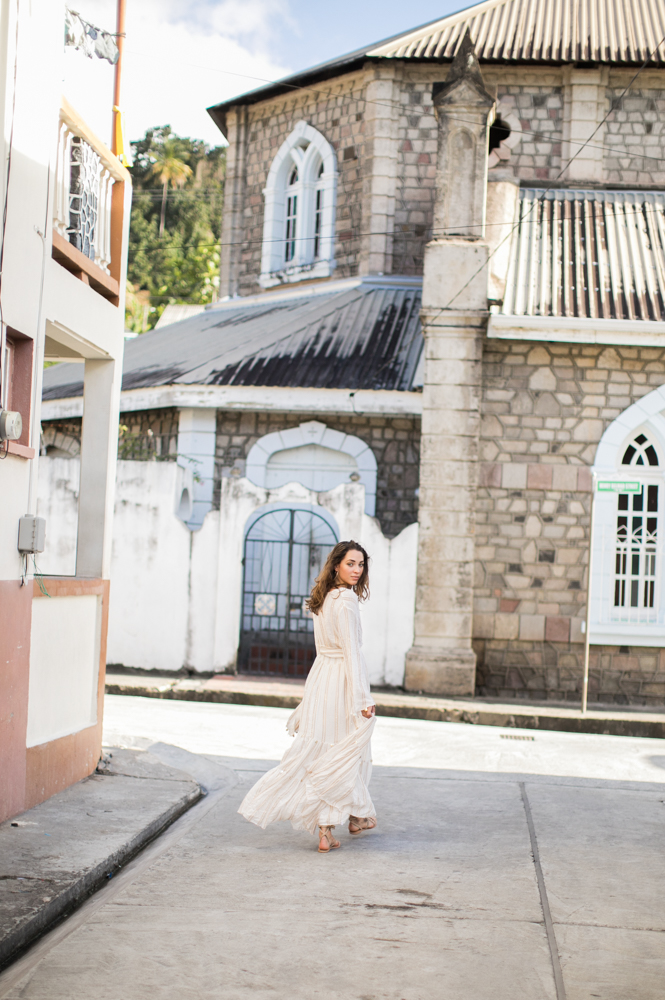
[627,596]
[637,534]
[299,221]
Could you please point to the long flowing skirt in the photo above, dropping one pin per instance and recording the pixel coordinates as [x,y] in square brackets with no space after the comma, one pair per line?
[318,782]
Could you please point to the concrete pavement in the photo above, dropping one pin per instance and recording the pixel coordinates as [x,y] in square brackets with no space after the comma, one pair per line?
[442,900]
[57,853]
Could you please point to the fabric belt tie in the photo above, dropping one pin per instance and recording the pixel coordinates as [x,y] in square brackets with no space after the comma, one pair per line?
[335,652]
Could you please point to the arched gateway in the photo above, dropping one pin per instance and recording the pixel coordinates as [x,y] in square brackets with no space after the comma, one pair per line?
[285,548]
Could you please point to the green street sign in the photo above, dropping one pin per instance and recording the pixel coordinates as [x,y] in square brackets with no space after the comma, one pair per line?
[624,486]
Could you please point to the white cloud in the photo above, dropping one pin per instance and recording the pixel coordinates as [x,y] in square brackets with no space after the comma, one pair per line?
[179,59]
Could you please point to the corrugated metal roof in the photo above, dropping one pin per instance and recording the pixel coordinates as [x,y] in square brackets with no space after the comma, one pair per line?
[589,254]
[505,31]
[581,31]
[363,335]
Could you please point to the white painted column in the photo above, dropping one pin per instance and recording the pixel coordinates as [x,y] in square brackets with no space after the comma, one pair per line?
[99,451]
[197,435]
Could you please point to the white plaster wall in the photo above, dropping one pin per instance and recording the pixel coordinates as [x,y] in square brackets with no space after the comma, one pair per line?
[57,502]
[14,475]
[148,609]
[64,666]
[176,594]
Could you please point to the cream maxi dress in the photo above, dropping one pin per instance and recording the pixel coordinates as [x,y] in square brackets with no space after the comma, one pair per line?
[323,778]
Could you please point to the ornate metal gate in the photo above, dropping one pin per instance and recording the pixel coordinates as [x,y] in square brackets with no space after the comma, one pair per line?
[284,553]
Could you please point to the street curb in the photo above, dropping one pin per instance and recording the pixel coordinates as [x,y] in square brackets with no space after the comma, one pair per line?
[598,723]
[15,943]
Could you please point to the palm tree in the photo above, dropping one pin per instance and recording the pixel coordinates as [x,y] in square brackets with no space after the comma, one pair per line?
[170,169]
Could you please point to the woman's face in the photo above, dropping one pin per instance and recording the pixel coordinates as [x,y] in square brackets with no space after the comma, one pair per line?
[351,567]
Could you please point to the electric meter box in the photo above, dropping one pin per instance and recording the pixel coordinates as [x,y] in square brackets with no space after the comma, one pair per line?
[31,533]
[11,425]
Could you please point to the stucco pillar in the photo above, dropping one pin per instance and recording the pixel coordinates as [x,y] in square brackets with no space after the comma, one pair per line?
[197,437]
[99,452]
[454,315]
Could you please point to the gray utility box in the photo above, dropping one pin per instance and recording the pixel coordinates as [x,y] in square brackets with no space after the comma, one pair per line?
[31,533]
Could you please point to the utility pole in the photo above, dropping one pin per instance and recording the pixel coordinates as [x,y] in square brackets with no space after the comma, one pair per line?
[116,132]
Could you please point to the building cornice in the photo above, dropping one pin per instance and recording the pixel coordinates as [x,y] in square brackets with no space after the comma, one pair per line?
[362,402]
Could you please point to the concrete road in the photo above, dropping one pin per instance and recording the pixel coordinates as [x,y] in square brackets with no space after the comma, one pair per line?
[507,864]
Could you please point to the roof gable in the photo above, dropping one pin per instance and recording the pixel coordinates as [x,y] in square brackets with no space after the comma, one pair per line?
[580,31]
[504,31]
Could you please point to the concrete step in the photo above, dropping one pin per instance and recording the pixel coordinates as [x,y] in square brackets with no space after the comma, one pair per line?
[58,853]
[283,693]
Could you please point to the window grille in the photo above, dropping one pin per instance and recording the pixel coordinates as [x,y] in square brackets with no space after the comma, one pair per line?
[636,549]
[85,170]
[82,197]
[637,559]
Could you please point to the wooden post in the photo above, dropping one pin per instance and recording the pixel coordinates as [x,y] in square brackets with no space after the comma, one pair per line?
[120,42]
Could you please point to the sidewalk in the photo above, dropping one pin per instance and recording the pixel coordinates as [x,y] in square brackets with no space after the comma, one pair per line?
[283,693]
[57,854]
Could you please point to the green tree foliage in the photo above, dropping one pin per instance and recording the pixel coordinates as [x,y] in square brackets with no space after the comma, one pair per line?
[178,189]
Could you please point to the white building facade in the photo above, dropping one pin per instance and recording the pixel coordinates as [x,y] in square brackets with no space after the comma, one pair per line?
[64,246]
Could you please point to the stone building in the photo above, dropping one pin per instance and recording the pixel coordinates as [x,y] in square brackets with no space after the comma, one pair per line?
[512,154]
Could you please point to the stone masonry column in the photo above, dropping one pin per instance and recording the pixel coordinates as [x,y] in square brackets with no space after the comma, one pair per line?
[454,316]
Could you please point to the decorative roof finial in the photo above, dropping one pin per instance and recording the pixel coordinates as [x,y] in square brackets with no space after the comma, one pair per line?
[464,68]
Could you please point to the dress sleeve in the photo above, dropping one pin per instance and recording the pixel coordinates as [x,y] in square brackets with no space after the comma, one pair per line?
[348,624]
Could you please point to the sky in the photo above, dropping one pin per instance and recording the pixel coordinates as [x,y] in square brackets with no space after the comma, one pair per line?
[181,56]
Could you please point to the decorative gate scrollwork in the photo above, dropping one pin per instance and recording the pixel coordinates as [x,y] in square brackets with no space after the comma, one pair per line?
[284,553]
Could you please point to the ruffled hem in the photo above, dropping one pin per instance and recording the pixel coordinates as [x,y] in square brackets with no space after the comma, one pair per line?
[316,784]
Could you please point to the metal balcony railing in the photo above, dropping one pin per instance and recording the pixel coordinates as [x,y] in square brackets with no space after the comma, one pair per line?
[82,204]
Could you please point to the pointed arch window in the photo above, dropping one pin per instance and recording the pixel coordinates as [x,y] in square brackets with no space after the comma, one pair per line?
[299,221]
[636,555]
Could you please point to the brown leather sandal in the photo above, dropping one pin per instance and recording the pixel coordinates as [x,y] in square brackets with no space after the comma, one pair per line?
[326,834]
[360,824]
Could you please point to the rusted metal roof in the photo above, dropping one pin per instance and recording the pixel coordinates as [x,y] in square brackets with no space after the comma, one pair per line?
[580,31]
[361,334]
[588,254]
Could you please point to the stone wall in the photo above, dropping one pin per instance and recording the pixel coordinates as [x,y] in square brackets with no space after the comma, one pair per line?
[416,174]
[142,435]
[635,137]
[537,156]
[395,442]
[544,409]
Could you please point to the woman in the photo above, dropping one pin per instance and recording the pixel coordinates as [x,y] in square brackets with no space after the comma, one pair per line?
[322,779]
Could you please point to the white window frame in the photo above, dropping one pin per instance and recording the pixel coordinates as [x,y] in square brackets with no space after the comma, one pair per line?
[628,626]
[307,150]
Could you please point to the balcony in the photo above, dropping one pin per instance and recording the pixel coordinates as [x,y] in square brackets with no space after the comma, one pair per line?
[88,206]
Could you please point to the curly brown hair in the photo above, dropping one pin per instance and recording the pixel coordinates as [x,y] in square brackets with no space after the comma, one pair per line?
[327,578]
